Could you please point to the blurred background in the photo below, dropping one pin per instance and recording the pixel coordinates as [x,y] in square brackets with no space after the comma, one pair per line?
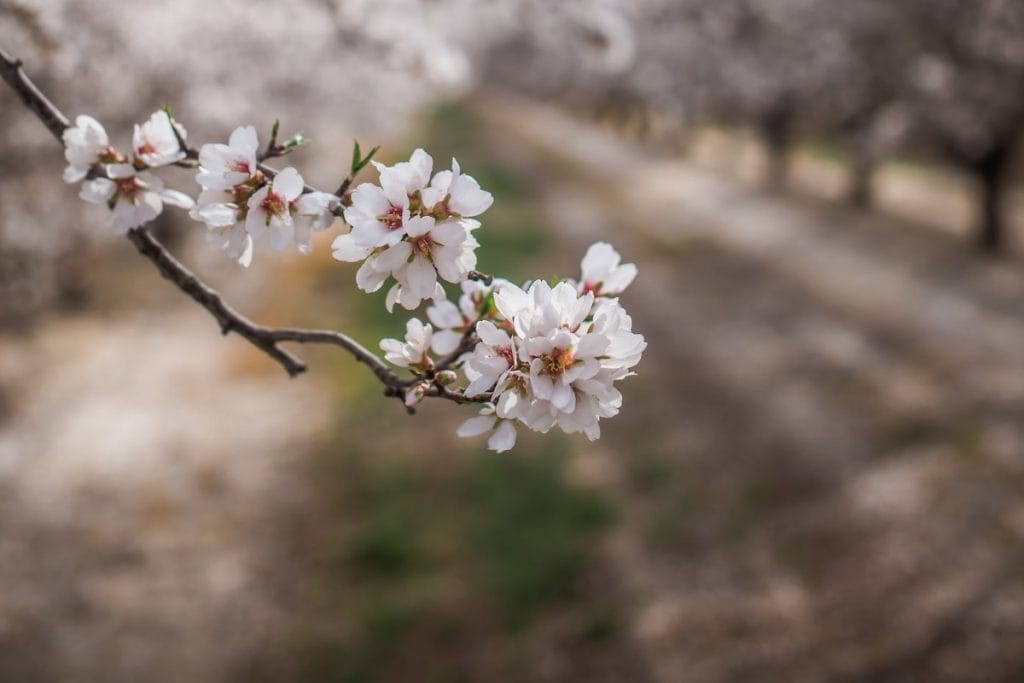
[817,475]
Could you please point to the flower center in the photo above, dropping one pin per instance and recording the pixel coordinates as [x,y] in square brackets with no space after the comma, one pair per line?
[241,166]
[127,187]
[273,204]
[147,148]
[393,218]
[109,155]
[557,361]
[591,287]
[423,244]
[506,353]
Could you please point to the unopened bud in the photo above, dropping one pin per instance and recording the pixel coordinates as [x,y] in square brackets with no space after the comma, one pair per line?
[415,394]
[446,378]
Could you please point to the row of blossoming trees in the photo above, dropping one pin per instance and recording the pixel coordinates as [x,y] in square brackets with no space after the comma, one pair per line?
[941,80]
[543,355]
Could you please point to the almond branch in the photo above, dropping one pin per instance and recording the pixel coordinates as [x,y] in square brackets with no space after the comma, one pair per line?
[266,339]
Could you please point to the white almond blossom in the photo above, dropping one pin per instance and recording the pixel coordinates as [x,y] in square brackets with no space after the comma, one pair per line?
[225,222]
[602,271]
[84,144]
[134,197]
[414,352]
[270,209]
[414,229]
[155,142]
[223,167]
[458,194]
[492,360]
[313,212]
[503,437]
[550,358]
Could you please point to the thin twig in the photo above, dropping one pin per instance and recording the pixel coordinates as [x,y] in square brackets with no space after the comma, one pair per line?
[34,99]
[228,318]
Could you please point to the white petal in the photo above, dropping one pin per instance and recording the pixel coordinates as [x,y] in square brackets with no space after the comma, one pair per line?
[503,438]
[491,335]
[344,249]
[421,277]
[288,184]
[393,258]
[475,426]
[175,198]
[244,137]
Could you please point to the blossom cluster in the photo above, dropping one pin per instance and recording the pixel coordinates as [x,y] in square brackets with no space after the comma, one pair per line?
[413,228]
[125,184]
[546,356]
[543,355]
[241,203]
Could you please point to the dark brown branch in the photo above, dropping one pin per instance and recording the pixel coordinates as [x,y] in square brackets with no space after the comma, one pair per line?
[228,318]
[34,99]
[466,344]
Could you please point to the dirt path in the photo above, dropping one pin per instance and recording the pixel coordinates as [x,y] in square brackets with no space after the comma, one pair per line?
[831,406]
[144,473]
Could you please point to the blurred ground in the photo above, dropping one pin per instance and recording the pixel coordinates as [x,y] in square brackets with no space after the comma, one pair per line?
[816,476]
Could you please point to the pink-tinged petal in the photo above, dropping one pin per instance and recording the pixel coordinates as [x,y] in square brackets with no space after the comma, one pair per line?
[371,233]
[489,334]
[563,398]
[441,183]
[393,258]
[439,293]
[599,260]
[510,299]
[421,277]
[394,191]
[475,426]
[621,278]
[503,439]
[370,199]
[467,197]
[392,298]
[344,249]
[445,314]
[538,346]
[592,345]
[244,137]
[217,215]
[303,235]
[72,174]
[542,385]
[288,184]
[368,278]
[120,170]
[281,232]
[256,222]
[97,190]
[445,341]
[421,164]
[449,233]
[175,198]
[408,299]
[481,385]
[419,225]
[245,258]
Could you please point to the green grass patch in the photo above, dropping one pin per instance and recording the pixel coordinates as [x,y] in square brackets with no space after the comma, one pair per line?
[528,531]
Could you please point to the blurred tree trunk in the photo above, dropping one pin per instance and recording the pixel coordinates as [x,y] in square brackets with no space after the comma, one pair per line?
[859,195]
[992,169]
[776,128]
